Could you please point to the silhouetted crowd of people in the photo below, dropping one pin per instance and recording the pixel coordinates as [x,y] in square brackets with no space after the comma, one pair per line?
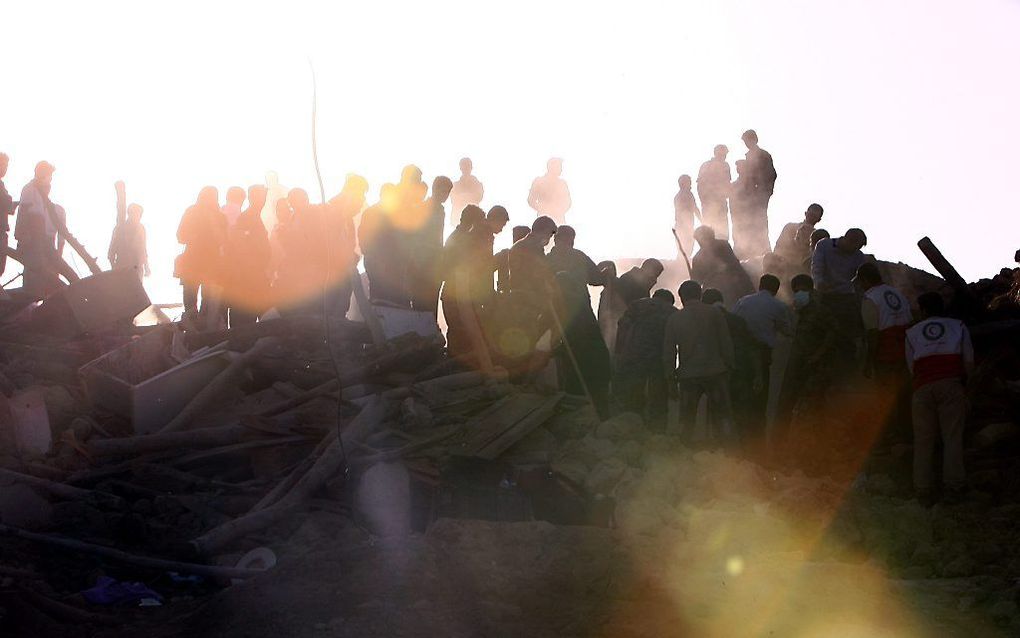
[530,306]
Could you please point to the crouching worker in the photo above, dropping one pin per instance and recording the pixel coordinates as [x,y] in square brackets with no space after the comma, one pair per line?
[940,356]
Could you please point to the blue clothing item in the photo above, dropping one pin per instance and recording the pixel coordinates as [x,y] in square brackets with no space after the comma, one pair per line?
[108,591]
[833,270]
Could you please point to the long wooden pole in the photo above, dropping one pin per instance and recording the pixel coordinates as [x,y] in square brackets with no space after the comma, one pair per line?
[131,559]
[331,461]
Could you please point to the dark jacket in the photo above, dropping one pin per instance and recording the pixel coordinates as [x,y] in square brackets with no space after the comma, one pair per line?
[640,335]
[716,266]
[6,208]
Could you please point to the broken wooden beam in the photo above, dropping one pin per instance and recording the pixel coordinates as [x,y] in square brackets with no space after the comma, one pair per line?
[221,382]
[61,490]
[946,269]
[201,438]
[381,364]
[327,465]
[128,558]
[241,336]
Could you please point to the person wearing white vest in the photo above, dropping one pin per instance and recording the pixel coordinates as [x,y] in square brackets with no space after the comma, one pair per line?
[940,356]
[886,315]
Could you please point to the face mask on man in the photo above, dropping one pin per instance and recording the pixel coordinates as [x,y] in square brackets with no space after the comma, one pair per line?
[801,298]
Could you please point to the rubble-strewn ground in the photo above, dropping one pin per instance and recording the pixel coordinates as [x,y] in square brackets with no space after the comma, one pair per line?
[591,529]
[703,545]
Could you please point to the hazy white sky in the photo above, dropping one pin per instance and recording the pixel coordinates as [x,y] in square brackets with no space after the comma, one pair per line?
[899,116]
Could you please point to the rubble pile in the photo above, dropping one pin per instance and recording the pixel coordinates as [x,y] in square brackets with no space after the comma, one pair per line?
[298,476]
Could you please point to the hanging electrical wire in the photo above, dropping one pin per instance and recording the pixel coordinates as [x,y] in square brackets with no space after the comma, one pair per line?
[326,237]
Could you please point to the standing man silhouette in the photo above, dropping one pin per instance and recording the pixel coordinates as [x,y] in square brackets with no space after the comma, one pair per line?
[549,195]
[714,179]
[686,211]
[466,190]
[762,174]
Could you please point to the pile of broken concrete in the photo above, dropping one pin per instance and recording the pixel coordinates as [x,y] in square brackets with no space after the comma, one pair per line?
[150,474]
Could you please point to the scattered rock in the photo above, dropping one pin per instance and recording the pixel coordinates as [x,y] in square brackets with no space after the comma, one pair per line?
[620,427]
[604,476]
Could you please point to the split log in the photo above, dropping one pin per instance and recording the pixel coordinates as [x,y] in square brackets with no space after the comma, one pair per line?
[415,447]
[325,467]
[61,490]
[59,269]
[948,272]
[381,364]
[223,380]
[96,474]
[340,329]
[295,474]
[79,248]
[461,380]
[202,438]
[204,455]
[524,427]
[131,559]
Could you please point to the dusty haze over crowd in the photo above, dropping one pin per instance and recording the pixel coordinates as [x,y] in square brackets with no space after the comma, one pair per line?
[899,116]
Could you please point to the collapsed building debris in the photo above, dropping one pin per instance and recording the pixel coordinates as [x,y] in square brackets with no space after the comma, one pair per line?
[168,456]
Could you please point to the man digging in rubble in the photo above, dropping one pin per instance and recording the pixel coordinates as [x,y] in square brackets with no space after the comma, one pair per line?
[809,368]
[697,337]
[767,318]
[886,315]
[715,265]
[564,257]
[940,356]
[638,383]
[834,263]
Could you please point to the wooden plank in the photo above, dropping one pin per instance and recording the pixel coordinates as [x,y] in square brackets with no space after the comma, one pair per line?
[521,429]
[492,423]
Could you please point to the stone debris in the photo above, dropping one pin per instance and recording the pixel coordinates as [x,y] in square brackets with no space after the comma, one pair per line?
[126,450]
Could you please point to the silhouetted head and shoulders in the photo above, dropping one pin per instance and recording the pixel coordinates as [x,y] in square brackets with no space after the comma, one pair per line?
[468,186]
[661,304]
[684,197]
[350,201]
[637,283]
[565,256]
[795,236]
[541,233]
[496,219]
[549,194]
[761,169]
